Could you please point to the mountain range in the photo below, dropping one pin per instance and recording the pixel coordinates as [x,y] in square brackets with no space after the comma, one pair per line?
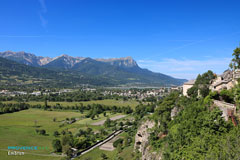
[112,71]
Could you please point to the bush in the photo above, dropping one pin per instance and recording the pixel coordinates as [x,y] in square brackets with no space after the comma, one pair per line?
[117,142]
[227,95]
[42,132]
[57,145]
[104,156]
[56,134]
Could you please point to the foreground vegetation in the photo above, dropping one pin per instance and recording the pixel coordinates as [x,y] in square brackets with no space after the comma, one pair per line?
[199,130]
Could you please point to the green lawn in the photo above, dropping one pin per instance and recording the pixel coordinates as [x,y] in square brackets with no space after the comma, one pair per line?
[110,102]
[18,129]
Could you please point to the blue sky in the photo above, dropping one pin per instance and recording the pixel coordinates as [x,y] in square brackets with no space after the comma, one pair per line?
[180,38]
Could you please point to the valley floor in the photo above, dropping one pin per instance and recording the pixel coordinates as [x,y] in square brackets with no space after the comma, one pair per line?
[19,129]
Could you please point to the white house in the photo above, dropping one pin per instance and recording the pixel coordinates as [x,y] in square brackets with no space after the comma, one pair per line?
[187,85]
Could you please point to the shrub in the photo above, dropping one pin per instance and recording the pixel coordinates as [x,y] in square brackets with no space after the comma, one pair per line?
[119,141]
[42,132]
[57,145]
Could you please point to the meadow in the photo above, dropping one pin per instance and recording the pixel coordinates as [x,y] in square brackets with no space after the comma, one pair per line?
[19,129]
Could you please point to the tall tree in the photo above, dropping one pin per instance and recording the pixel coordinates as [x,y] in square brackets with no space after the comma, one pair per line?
[235,63]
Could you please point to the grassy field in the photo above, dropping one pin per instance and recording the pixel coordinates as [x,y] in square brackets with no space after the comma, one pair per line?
[18,129]
[101,117]
[110,102]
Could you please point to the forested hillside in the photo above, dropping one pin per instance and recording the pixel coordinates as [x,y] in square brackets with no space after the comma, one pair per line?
[198,131]
[15,74]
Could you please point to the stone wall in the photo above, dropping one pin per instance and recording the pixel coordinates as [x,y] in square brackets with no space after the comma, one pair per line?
[226,108]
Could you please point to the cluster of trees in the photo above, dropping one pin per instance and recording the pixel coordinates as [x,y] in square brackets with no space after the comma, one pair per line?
[162,113]
[201,86]
[141,110]
[12,107]
[93,109]
[96,109]
[82,140]
[65,144]
[235,63]
[63,97]
[41,131]
[150,99]
[223,95]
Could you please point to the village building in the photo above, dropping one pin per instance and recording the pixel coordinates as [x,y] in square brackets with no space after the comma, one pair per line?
[227,80]
[187,85]
[36,93]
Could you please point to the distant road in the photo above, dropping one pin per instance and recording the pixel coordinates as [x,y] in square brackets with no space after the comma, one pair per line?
[113,119]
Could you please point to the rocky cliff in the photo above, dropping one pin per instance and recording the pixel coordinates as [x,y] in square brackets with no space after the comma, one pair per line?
[142,142]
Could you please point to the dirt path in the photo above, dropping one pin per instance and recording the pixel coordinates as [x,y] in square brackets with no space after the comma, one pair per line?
[113,119]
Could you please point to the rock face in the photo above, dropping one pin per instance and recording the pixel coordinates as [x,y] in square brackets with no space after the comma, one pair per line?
[174,112]
[142,142]
[120,62]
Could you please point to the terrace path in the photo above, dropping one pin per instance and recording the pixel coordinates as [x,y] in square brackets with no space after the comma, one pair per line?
[113,119]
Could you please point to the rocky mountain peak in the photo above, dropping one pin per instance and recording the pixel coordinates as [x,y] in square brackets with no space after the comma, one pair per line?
[31,59]
[121,62]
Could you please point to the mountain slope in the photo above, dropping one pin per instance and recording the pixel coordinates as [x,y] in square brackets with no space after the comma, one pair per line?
[13,72]
[25,58]
[16,74]
[115,71]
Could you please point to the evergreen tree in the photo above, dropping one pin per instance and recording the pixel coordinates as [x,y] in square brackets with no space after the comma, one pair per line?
[57,145]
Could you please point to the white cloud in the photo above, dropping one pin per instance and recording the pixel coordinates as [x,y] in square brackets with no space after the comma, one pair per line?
[42,12]
[186,68]
[43,6]
[43,20]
